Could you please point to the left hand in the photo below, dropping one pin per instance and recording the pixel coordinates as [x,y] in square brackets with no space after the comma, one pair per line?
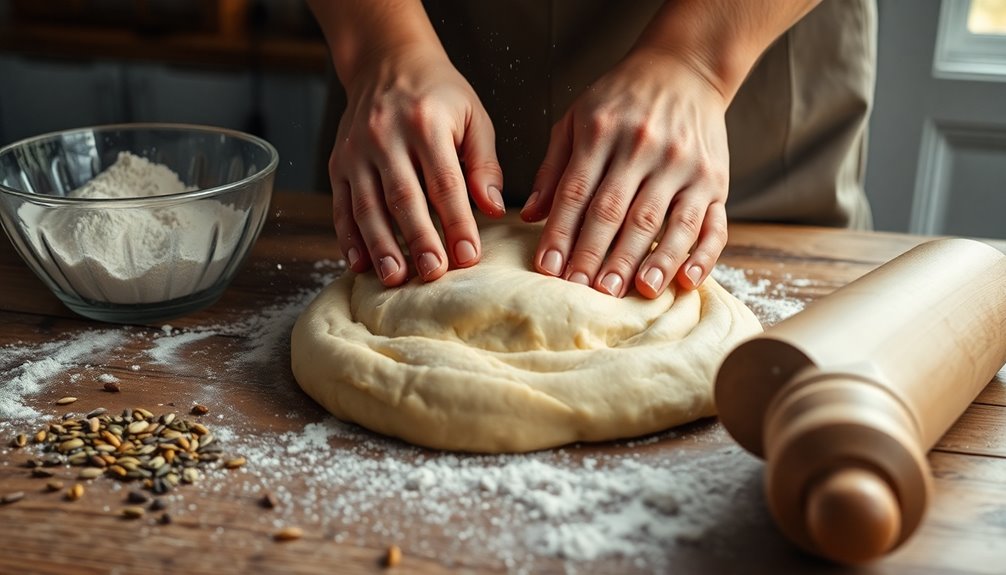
[641,154]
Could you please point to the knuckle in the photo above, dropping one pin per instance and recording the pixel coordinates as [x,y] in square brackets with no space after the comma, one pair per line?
[717,237]
[587,257]
[712,172]
[455,225]
[672,152]
[688,219]
[577,188]
[420,241]
[620,262]
[398,192]
[608,208]
[644,137]
[442,183]
[601,124]
[647,218]
[365,206]
[424,114]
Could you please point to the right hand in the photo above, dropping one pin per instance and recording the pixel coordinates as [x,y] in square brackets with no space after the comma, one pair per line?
[412,118]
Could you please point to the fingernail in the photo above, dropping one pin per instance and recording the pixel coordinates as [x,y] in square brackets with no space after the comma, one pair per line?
[354,256]
[496,197]
[694,273]
[464,251]
[530,201]
[389,267]
[612,284]
[552,262]
[579,278]
[427,263]
[653,278]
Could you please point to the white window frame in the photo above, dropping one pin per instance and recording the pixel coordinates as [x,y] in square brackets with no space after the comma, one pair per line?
[961,55]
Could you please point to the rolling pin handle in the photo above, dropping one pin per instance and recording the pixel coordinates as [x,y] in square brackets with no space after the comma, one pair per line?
[853,516]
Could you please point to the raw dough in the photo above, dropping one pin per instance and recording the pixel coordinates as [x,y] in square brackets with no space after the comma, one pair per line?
[499,358]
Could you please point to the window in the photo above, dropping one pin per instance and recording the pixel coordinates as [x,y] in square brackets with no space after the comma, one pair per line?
[987,17]
[971,40]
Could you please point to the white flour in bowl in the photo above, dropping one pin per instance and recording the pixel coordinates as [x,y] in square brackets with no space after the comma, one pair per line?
[134,255]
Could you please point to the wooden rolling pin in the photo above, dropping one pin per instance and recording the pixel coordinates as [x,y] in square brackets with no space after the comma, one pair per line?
[844,399]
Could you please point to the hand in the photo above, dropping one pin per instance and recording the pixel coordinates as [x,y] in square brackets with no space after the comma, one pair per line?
[412,118]
[640,157]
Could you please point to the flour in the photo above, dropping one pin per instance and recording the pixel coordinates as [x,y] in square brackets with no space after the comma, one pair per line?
[614,512]
[770,302]
[131,255]
[515,508]
[26,370]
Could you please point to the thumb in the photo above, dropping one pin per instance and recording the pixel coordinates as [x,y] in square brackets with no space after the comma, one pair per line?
[482,168]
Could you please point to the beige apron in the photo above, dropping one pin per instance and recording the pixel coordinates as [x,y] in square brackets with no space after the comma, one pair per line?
[796,129]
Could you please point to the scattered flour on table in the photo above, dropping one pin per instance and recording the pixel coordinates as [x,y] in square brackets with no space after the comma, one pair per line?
[357,487]
[549,504]
[26,370]
[134,255]
[770,302]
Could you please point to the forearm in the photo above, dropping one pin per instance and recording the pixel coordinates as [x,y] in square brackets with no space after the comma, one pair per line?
[722,39]
[360,31]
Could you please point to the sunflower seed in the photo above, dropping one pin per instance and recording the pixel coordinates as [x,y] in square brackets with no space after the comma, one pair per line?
[12,497]
[41,436]
[71,444]
[54,485]
[65,400]
[234,463]
[20,440]
[288,534]
[137,427]
[136,496]
[75,492]
[91,472]
[96,412]
[132,512]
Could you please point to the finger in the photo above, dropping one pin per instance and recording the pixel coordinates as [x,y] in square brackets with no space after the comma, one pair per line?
[482,167]
[445,185]
[407,206]
[574,192]
[688,211]
[347,233]
[605,216]
[372,219]
[550,172]
[712,240]
[640,228]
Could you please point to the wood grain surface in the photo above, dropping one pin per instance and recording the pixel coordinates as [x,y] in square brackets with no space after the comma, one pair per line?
[219,527]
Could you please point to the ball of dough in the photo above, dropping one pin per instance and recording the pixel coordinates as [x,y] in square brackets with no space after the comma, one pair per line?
[500,358]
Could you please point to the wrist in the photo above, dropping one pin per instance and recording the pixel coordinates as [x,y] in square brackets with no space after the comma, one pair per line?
[363,33]
[720,39]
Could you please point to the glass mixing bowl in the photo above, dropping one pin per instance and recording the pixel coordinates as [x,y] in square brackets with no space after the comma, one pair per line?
[109,249]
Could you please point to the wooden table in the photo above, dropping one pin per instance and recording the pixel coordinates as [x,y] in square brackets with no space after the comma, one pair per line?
[219,527]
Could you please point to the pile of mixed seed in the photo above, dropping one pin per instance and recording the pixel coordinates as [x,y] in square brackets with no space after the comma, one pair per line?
[157,452]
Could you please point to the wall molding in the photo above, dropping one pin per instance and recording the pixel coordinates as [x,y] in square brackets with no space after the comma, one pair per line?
[940,142]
